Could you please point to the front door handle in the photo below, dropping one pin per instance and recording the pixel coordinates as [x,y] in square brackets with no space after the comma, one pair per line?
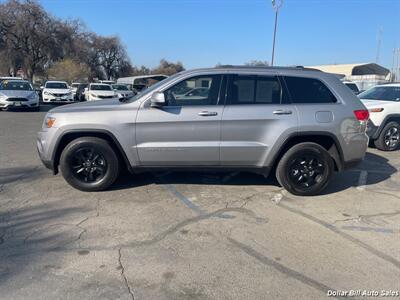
[208,113]
[282,112]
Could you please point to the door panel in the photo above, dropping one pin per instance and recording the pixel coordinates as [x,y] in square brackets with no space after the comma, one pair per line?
[248,132]
[178,135]
[254,121]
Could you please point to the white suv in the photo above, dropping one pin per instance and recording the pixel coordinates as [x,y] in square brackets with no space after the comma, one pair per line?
[383,103]
[57,91]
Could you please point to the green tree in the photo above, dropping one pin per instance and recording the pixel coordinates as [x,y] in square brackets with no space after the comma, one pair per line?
[69,70]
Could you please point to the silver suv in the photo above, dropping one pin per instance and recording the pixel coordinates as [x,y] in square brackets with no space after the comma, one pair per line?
[301,123]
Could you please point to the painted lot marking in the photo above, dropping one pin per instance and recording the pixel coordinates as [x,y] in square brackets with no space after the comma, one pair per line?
[370,229]
[185,200]
[362,180]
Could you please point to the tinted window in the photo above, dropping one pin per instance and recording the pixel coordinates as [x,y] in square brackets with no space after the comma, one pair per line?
[353,87]
[56,85]
[199,90]
[385,93]
[16,85]
[254,90]
[100,87]
[308,90]
[120,87]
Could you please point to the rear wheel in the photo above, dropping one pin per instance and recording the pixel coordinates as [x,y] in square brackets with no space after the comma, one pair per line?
[389,138]
[305,169]
[89,164]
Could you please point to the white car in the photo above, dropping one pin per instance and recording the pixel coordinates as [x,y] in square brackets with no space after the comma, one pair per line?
[383,103]
[100,91]
[57,91]
[18,93]
[123,91]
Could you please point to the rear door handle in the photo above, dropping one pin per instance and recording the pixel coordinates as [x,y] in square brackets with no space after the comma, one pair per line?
[282,112]
[208,113]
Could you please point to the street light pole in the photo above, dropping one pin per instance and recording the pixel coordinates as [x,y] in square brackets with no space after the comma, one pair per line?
[276,5]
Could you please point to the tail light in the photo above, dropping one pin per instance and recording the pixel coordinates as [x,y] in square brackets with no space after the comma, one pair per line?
[362,115]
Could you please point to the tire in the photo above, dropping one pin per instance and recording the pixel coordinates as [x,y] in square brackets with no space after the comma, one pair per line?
[389,138]
[89,155]
[308,178]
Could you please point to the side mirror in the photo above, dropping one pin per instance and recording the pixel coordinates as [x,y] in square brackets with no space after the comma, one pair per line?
[157,99]
[41,87]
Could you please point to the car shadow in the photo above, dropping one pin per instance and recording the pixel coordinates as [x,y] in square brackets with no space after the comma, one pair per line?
[127,181]
[379,167]
[376,169]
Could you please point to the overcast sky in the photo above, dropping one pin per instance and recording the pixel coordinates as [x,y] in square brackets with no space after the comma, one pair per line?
[202,33]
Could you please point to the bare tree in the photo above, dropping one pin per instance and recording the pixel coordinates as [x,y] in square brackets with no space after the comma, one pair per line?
[257,63]
[168,68]
[110,55]
[27,29]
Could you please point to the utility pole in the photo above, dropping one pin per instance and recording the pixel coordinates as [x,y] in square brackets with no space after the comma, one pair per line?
[276,5]
[393,76]
[378,46]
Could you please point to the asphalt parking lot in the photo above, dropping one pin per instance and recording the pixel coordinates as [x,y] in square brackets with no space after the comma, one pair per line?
[191,235]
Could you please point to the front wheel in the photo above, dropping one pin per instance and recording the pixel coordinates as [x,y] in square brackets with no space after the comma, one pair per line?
[305,169]
[389,139]
[89,164]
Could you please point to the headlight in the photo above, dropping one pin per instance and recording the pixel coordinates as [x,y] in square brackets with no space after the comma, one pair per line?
[69,93]
[3,97]
[49,122]
[93,95]
[32,96]
[46,93]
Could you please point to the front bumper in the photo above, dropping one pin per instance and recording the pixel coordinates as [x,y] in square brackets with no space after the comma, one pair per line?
[5,104]
[44,149]
[58,99]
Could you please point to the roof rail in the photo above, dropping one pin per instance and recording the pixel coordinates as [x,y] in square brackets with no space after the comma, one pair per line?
[266,67]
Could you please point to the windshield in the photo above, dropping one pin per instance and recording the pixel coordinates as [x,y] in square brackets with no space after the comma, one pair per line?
[120,87]
[149,90]
[56,85]
[383,93]
[100,87]
[16,86]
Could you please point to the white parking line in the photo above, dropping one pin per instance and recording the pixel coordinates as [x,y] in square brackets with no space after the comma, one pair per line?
[362,180]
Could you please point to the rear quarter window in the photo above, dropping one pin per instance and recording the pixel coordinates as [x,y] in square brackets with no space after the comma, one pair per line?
[308,90]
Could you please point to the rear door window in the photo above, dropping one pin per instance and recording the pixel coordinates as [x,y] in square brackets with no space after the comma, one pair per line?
[244,89]
[308,90]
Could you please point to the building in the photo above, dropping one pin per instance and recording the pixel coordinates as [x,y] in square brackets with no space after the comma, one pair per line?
[364,75]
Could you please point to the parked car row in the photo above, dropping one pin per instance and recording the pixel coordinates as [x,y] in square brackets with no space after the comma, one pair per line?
[55,91]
